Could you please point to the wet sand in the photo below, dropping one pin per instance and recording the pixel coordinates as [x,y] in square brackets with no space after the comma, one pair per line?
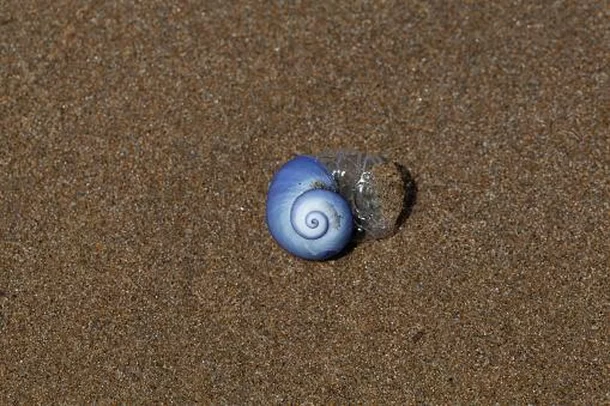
[136,146]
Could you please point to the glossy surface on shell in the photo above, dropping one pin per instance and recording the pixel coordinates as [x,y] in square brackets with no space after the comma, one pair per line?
[305,214]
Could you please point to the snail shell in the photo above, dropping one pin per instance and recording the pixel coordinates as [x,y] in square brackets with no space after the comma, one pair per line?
[305,213]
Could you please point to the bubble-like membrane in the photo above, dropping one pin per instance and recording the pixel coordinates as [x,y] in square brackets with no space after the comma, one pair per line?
[374,188]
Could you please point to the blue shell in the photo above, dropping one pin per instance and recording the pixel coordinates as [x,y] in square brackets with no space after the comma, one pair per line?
[305,214]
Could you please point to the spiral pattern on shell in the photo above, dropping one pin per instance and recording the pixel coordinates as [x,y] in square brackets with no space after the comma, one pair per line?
[305,213]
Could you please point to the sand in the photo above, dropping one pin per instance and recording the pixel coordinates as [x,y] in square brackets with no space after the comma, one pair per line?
[137,141]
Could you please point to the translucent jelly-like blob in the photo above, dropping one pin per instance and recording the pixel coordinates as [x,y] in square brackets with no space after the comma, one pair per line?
[374,187]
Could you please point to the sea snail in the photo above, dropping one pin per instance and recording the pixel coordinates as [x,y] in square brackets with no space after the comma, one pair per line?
[316,205]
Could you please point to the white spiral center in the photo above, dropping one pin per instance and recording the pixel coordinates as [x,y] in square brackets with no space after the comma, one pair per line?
[312,215]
